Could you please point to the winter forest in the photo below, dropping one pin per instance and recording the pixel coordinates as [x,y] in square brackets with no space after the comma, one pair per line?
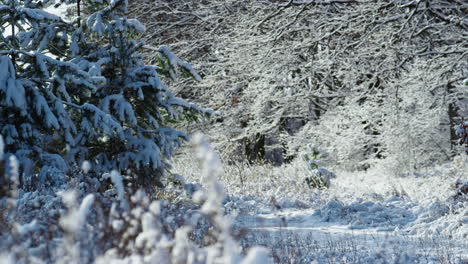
[233,131]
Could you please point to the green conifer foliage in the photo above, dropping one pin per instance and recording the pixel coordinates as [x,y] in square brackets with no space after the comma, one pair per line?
[76,91]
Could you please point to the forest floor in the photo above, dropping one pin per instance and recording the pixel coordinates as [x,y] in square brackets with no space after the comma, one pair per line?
[368,216]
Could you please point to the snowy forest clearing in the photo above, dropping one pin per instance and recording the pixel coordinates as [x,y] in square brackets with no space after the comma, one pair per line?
[364,217]
[333,131]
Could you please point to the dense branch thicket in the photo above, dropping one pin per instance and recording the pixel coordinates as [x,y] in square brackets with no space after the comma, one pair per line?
[368,80]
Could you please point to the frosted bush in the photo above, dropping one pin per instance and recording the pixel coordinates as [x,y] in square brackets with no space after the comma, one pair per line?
[316,159]
[96,226]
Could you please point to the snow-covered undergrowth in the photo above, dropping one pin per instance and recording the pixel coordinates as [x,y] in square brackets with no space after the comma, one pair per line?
[90,218]
[315,246]
[272,215]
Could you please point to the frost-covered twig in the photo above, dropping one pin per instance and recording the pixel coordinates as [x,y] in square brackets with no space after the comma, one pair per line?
[226,249]
[73,223]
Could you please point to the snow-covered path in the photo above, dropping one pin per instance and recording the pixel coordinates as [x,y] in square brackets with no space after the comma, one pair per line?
[301,236]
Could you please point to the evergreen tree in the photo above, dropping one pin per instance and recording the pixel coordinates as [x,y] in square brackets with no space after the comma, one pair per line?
[35,123]
[81,91]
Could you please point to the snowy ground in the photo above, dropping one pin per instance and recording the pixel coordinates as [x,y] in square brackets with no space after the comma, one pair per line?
[304,235]
[365,217]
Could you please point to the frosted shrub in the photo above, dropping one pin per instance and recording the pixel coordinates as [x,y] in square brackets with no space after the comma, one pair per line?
[461,131]
[71,92]
[9,173]
[143,231]
[320,177]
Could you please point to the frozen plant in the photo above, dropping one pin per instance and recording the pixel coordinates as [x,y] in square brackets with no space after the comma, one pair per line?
[73,223]
[320,177]
[462,132]
[117,180]
[225,249]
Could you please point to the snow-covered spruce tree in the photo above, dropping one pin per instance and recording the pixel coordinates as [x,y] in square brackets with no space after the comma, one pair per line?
[35,82]
[137,105]
[81,91]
